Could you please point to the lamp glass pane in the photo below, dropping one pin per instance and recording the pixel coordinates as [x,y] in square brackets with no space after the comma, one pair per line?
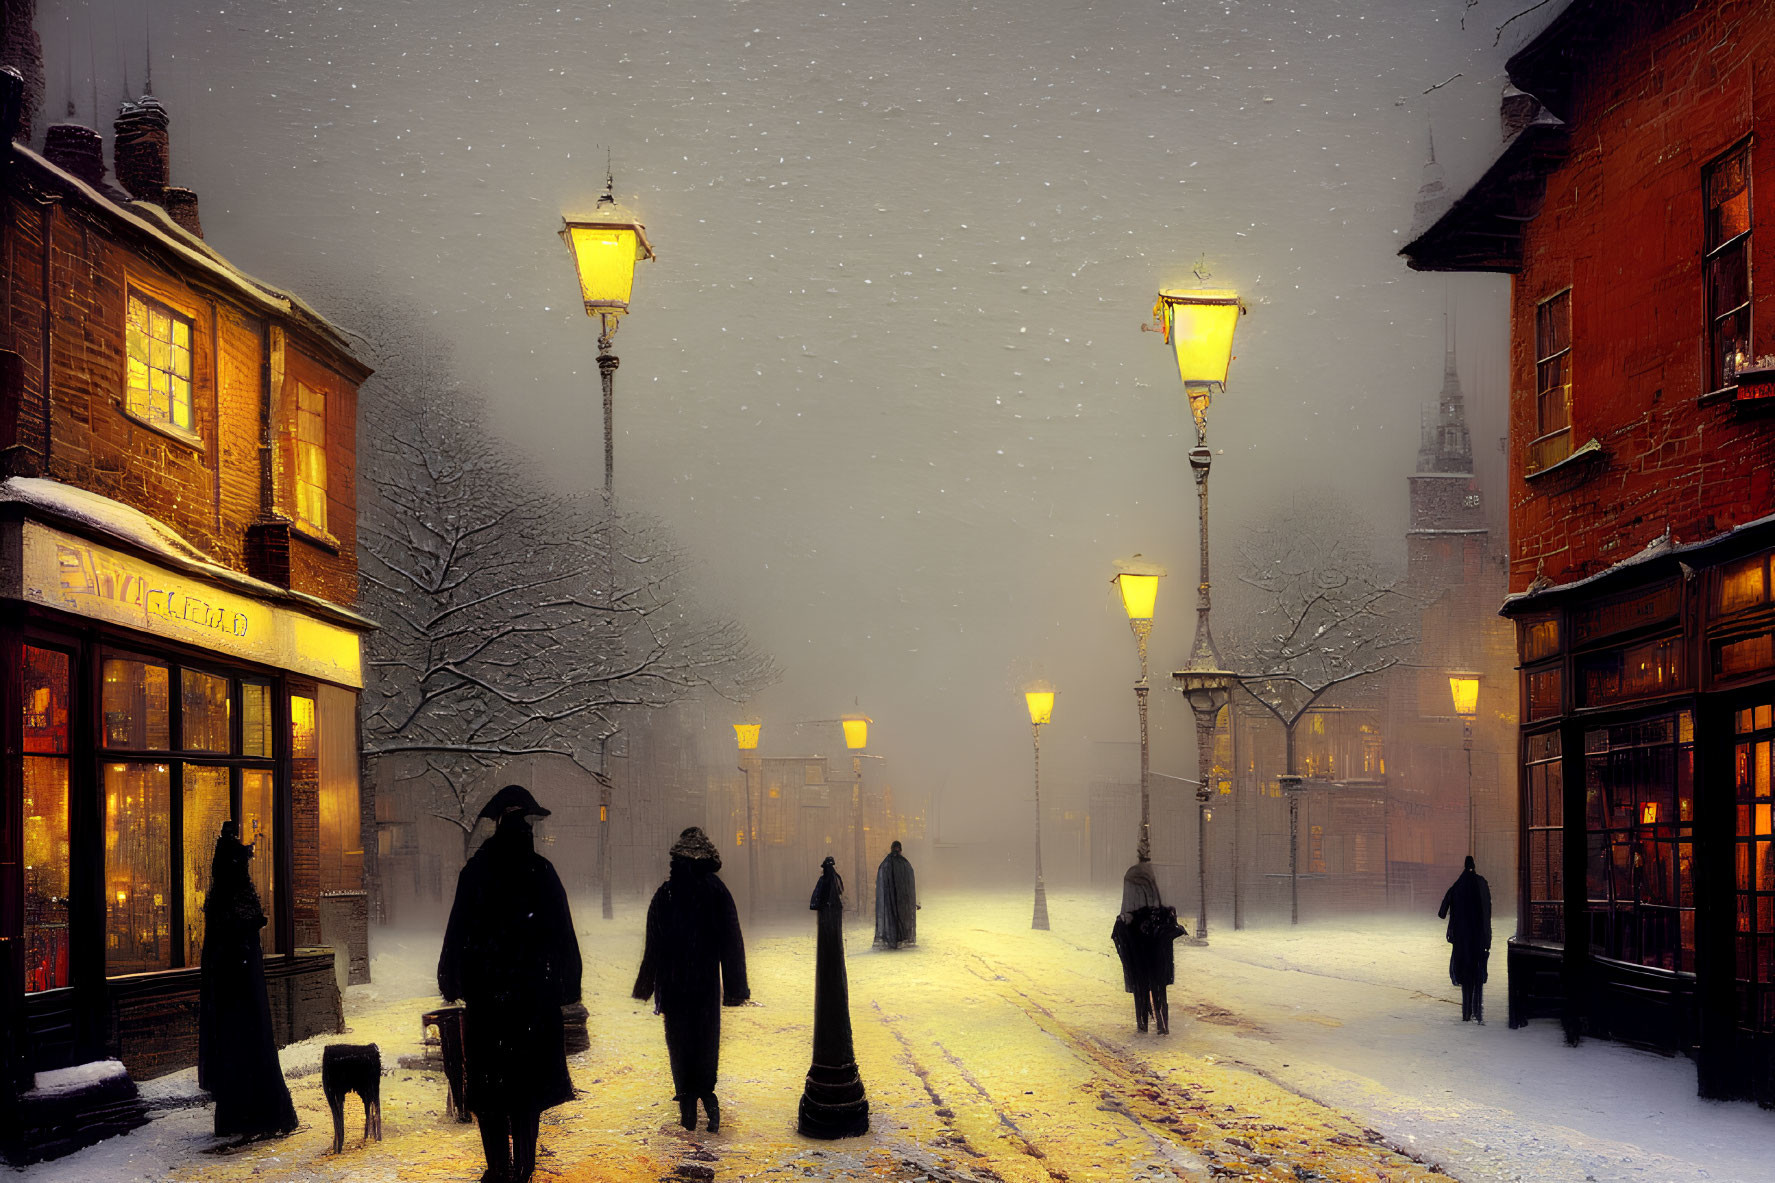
[605,257]
[746,734]
[1041,705]
[1202,335]
[1139,593]
[856,733]
[1465,691]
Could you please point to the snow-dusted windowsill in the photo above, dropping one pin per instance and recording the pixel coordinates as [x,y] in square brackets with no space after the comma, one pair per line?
[176,434]
[1589,450]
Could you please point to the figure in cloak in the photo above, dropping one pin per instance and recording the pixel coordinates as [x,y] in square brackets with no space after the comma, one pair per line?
[695,960]
[832,1101]
[1143,934]
[1467,904]
[896,902]
[236,1050]
[510,954]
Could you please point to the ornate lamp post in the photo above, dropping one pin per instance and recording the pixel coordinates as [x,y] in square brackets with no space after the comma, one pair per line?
[1199,327]
[1040,700]
[1138,583]
[856,738]
[606,245]
[746,736]
[1464,689]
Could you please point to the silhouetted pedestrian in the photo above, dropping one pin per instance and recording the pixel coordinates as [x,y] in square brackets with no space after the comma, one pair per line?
[695,959]
[1467,904]
[1143,934]
[832,1100]
[896,902]
[511,955]
[236,1050]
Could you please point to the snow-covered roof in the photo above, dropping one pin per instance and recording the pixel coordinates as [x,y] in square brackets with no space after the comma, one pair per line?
[151,221]
[1665,546]
[140,532]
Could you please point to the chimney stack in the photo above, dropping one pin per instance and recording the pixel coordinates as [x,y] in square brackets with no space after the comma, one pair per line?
[21,49]
[181,206]
[78,150]
[142,149]
[12,104]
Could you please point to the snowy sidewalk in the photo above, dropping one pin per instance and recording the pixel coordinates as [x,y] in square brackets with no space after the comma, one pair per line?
[1363,1018]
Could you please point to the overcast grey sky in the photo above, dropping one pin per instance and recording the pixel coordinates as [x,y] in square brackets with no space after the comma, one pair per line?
[886,378]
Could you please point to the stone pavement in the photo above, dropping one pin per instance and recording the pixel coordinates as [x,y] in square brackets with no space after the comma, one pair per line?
[990,1053]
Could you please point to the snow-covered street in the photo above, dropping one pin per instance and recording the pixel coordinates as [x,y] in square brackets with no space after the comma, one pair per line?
[994,1052]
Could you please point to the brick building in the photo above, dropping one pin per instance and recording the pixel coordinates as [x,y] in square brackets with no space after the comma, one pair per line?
[1632,202]
[177,547]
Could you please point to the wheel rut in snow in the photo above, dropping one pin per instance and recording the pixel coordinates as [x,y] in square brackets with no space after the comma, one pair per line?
[951,1138]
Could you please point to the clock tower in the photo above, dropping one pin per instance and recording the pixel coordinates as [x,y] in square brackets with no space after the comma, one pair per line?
[1447,542]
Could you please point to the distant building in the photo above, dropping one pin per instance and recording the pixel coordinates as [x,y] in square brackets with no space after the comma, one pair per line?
[1626,203]
[177,561]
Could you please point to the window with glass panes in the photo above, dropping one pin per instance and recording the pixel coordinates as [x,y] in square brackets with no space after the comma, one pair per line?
[185,749]
[311,456]
[45,704]
[1725,187]
[158,383]
[1553,382]
[1639,796]
[1543,815]
[1754,731]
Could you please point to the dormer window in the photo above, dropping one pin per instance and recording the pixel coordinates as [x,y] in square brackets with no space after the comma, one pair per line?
[158,389]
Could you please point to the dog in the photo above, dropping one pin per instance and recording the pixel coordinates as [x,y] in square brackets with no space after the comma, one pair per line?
[352,1068]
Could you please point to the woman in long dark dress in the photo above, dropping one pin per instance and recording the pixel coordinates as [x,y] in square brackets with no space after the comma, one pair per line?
[511,955]
[236,1052]
[695,959]
[1143,934]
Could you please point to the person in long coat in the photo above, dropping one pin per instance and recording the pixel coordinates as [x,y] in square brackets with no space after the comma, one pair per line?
[236,1049]
[896,902]
[510,954]
[1143,934]
[1467,904]
[832,1100]
[695,960]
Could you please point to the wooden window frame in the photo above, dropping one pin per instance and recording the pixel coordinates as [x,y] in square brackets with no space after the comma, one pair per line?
[1716,378]
[177,313]
[1552,441]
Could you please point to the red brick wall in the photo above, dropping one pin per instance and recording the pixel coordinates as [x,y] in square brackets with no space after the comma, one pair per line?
[210,492]
[1622,226]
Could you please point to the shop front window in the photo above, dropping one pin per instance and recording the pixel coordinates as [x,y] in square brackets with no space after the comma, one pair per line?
[205,807]
[1640,804]
[205,712]
[1754,729]
[258,828]
[136,705]
[1543,813]
[341,824]
[138,874]
[45,704]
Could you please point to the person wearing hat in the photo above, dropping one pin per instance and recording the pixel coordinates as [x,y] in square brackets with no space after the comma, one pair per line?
[695,961]
[510,954]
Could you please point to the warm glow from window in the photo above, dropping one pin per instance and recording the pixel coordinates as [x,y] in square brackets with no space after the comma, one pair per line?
[856,731]
[1464,689]
[158,387]
[1041,705]
[1648,813]
[311,456]
[746,734]
[1200,325]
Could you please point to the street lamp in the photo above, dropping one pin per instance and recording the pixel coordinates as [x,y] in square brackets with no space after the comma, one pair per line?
[746,736]
[606,244]
[1464,689]
[1138,583]
[856,738]
[1040,700]
[1199,326]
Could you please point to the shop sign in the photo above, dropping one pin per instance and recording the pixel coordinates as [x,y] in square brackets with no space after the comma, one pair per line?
[82,577]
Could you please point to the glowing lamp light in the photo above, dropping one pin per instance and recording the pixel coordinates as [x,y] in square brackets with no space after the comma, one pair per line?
[122,897]
[746,735]
[856,731]
[1464,689]
[1138,581]
[1199,325]
[1648,813]
[606,245]
[1041,706]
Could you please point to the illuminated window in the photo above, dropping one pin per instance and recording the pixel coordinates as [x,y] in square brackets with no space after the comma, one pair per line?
[205,713]
[258,829]
[1553,382]
[1639,807]
[1755,868]
[341,823]
[205,806]
[46,818]
[159,380]
[1725,188]
[1744,584]
[255,719]
[1543,813]
[311,456]
[138,874]
[136,705]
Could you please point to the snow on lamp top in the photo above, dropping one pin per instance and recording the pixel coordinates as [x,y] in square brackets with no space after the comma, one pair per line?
[856,731]
[606,244]
[1199,324]
[1464,689]
[1041,704]
[746,735]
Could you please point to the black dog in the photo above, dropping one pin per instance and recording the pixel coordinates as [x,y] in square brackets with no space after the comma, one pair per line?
[352,1068]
